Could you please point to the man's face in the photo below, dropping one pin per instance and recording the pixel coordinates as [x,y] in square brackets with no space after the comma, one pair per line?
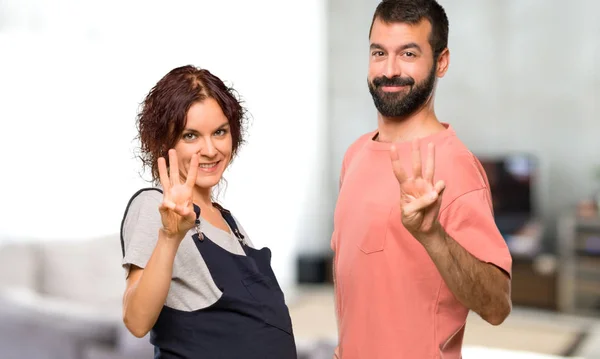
[402,71]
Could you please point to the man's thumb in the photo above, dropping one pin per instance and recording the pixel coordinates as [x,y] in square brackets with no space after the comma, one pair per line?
[421,203]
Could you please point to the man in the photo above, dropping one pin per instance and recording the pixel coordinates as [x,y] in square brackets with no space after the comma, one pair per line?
[415,242]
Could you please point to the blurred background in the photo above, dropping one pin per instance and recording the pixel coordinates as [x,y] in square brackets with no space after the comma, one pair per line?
[522,91]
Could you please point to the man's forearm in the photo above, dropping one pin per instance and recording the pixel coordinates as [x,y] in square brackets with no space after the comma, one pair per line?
[480,286]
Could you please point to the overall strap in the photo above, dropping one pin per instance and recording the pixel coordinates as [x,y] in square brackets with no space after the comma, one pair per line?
[197,223]
[230,221]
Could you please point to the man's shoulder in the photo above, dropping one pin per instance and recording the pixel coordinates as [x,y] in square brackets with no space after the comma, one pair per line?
[459,168]
[357,144]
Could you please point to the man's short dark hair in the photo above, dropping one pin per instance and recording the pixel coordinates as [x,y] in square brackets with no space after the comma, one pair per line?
[412,12]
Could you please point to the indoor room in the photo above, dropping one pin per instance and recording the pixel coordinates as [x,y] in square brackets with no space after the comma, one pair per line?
[522,92]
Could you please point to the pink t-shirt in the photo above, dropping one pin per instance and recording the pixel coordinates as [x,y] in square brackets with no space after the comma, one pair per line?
[391,300]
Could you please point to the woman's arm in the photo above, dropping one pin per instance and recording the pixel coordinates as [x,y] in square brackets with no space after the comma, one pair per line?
[147,288]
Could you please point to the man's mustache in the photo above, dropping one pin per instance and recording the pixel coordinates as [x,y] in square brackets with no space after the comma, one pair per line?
[394,81]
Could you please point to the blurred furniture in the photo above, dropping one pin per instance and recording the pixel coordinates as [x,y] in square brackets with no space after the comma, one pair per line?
[534,272]
[513,179]
[62,299]
[534,282]
[314,268]
[579,248]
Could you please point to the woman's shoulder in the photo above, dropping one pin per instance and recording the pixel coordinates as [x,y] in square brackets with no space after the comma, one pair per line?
[146,195]
[141,217]
[143,201]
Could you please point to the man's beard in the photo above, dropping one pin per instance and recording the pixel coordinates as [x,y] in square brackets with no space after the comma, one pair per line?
[398,104]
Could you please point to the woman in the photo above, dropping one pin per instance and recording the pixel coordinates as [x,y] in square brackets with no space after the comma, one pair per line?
[194,279]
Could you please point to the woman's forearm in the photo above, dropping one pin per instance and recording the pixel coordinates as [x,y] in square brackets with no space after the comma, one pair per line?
[144,299]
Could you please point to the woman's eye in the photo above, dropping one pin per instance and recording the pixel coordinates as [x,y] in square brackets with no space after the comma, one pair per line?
[189,136]
[220,132]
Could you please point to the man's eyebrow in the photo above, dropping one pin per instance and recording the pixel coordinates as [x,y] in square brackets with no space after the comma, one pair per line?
[410,45]
[375,46]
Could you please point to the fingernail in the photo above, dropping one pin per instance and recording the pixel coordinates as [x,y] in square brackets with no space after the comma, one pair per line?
[433,195]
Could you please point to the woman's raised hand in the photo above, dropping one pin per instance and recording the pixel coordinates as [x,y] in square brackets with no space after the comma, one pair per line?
[177,208]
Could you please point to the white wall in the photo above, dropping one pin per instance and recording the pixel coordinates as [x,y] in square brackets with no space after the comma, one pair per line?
[523,76]
[73,74]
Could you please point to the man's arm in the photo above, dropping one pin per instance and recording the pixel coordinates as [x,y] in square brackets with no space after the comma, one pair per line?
[481,287]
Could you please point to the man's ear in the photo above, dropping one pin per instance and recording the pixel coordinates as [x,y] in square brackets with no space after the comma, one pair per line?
[443,62]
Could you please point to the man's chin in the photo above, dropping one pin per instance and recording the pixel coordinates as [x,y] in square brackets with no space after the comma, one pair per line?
[391,98]
[392,111]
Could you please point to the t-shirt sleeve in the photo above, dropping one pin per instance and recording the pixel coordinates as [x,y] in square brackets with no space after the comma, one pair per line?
[346,160]
[140,229]
[332,243]
[469,220]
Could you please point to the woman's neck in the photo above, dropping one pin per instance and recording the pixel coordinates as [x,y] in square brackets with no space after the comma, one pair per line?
[202,198]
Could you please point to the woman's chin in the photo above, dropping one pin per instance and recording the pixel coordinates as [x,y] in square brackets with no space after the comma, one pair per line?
[208,182]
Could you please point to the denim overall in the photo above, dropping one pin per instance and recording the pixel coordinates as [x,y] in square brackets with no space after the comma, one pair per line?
[249,321]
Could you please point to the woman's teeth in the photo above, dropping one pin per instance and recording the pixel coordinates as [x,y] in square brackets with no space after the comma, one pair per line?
[208,165]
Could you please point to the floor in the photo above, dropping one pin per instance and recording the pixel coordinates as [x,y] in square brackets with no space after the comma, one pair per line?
[530,332]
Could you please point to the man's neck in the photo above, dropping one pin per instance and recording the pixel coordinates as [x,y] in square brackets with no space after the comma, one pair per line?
[418,125]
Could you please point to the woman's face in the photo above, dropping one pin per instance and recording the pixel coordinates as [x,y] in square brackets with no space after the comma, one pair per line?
[206,133]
